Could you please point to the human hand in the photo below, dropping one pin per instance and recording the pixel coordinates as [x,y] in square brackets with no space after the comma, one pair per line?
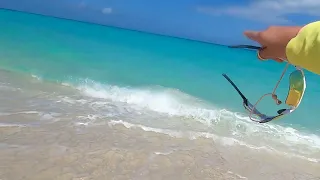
[273,41]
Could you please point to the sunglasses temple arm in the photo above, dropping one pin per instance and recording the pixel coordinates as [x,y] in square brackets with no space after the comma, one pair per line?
[245,47]
[245,100]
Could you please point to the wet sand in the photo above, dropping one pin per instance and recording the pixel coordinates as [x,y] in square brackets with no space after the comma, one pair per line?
[57,151]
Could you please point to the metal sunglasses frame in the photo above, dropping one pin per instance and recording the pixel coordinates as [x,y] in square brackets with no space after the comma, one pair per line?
[251,108]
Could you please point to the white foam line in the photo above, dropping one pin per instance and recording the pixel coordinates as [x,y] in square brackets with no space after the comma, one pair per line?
[22,112]
[39,78]
[163,153]
[195,135]
[239,176]
[10,88]
[11,125]
[70,100]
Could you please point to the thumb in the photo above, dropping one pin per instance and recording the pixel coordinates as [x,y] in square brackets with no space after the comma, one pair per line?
[265,54]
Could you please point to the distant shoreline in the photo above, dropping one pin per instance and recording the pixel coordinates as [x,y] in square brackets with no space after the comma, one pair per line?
[116,27]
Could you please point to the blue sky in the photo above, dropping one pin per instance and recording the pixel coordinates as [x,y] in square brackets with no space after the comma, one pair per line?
[219,21]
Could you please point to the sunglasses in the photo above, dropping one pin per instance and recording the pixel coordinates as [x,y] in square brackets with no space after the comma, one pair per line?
[297,86]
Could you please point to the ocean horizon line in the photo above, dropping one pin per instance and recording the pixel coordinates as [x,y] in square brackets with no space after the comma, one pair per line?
[117,27]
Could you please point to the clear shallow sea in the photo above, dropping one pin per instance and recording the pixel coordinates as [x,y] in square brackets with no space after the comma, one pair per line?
[89,75]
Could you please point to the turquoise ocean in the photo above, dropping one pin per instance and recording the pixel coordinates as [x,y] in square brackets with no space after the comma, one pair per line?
[165,83]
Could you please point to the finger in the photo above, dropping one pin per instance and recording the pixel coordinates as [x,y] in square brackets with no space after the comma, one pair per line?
[254,35]
[278,60]
[266,54]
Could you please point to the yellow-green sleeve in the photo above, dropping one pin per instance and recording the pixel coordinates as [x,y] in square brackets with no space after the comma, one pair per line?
[304,49]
